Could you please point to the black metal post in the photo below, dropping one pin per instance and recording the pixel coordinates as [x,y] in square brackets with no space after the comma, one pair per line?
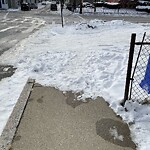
[129,68]
[62,5]
[81,3]
[94,6]
[136,64]
[74,5]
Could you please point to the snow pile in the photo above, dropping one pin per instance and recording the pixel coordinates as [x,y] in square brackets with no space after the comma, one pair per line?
[13,10]
[112,3]
[143,7]
[90,58]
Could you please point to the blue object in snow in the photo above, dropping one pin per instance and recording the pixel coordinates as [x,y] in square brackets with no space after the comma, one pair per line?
[145,83]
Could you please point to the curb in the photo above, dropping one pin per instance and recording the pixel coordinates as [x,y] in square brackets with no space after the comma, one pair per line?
[15,117]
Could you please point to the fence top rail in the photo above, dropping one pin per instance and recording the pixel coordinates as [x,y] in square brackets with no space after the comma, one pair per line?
[142,43]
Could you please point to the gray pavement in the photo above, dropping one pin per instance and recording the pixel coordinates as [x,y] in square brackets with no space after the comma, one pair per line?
[53,120]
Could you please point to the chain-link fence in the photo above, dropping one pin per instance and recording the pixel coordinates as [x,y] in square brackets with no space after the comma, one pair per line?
[140,78]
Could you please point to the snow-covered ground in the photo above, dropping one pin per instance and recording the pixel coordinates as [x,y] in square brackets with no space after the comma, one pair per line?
[90,58]
[114,12]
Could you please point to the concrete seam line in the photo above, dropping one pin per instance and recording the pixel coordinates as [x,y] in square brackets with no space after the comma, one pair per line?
[15,117]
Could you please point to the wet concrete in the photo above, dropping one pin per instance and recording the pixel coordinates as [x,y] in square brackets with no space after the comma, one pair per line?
[72,99]
[53,120]
[120,135]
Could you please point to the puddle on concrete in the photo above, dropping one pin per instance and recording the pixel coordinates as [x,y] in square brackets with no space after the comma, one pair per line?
[115,132]
[71,99]
[6,71]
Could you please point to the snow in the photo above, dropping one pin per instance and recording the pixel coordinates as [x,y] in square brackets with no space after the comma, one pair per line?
[114,133]
[143,7]
[6,15]
[3,30]
[13,10]
[90,57]
[40,6]
[111,3]
[142,2]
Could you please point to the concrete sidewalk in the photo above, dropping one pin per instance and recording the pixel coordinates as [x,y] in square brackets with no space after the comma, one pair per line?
[53,120]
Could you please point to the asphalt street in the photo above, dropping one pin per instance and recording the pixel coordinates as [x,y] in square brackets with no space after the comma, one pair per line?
[15,26]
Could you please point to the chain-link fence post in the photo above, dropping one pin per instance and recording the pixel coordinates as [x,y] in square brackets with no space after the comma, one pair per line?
[62,5]
[129,68]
